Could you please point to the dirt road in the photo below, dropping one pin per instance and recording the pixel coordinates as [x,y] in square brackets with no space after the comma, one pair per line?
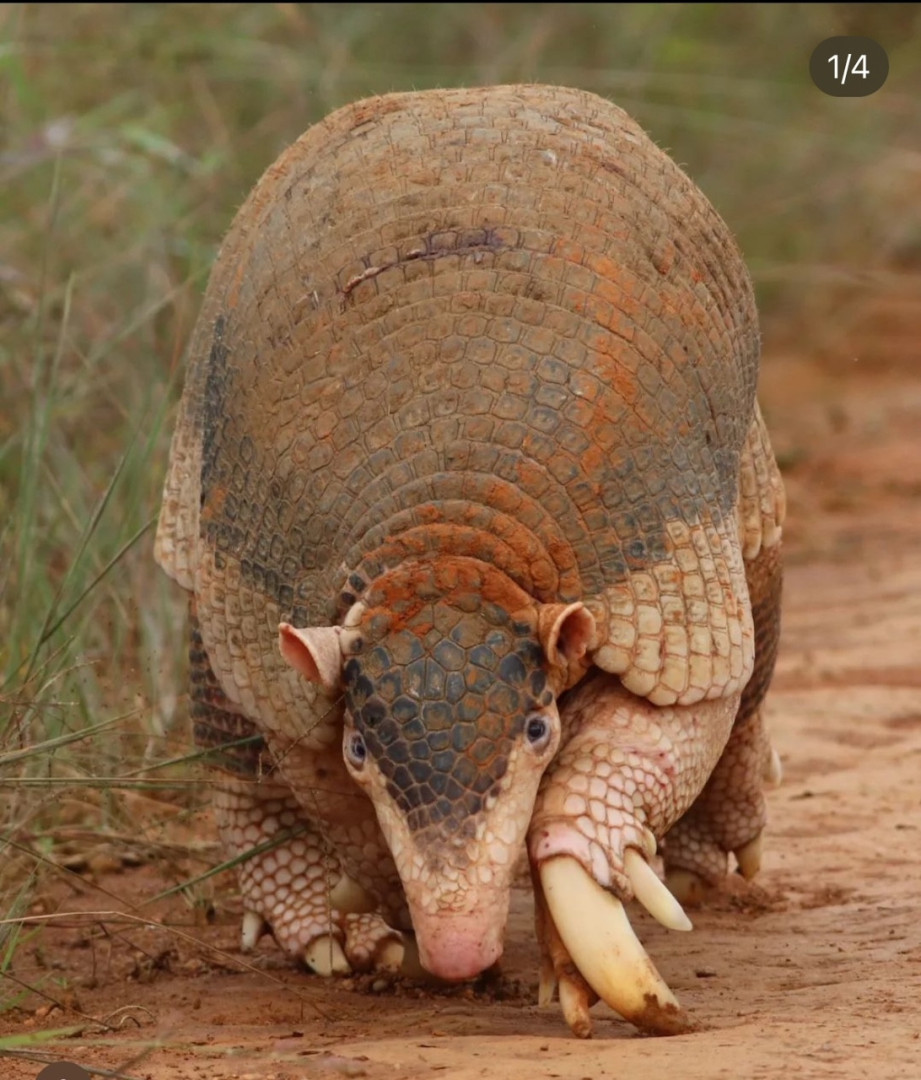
[813,971]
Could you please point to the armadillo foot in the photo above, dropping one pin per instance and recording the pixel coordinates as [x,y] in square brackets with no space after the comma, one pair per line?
[372,945]
[593,953]
[294,888]
[691,888]
[357,942]
[328,940]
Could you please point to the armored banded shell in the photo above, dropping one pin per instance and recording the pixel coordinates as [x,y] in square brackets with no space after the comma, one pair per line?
[496,321]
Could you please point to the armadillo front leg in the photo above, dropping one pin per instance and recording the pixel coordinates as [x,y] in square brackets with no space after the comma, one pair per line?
[627,773]
[291,879]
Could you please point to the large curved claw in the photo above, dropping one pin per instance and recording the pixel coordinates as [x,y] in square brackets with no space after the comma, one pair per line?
[576,998]
[593,926]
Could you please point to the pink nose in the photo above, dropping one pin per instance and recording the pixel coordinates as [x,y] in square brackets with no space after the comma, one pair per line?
[459,949]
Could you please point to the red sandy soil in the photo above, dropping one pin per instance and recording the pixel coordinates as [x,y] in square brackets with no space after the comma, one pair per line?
[814,970]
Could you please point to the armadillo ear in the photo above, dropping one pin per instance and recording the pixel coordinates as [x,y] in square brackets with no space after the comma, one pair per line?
[314,652]
[566,632]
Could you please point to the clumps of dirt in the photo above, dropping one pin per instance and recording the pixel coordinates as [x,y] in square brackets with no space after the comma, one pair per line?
[827,896]
[491,986]
[735,894]
[757,900]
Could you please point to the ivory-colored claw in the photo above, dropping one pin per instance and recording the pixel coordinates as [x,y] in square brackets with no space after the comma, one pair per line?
[390,955]
[350,897]
[774,772]
[254,926]
[594,928]
[324,956]
[575,1008]
[546,984]
[749,858]
[653,894]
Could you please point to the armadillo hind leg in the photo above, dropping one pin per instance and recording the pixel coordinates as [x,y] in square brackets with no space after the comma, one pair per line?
[729,815]
[290,878]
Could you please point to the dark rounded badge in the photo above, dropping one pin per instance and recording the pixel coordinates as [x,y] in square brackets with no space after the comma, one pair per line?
[849,66]
[63,1070]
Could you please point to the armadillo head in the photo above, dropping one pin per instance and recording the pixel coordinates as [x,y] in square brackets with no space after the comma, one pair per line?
[450,674]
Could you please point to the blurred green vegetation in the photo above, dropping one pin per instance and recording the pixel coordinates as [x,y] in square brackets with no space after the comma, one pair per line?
[129,133]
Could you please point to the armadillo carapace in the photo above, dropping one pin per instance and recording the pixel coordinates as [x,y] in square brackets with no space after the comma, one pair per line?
[480,524]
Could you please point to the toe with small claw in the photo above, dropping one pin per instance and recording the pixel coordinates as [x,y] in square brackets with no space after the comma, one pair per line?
[254,926]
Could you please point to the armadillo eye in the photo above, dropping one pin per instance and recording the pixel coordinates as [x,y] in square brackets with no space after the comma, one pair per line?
[537,729]
[355,750]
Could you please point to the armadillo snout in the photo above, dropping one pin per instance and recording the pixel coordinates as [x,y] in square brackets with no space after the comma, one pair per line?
[463,946]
